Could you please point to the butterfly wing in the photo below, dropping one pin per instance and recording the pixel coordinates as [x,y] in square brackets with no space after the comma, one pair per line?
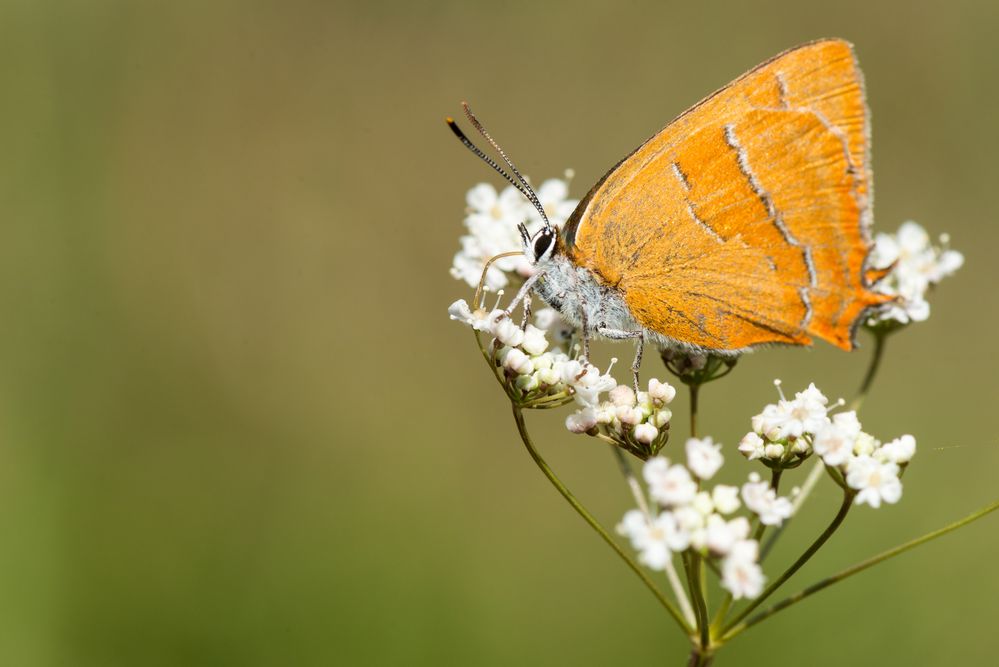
[744,221]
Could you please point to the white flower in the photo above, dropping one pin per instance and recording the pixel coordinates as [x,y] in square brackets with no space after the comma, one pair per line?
[581,421]
[515,360]
[768,422]
[865,445]
[661,418]
[835,443]
[704,458]
[773,451]
[479,319]
[703,503]
[751,446]
[508,332]
[918,266]
[534,340]
[669,485]
[806,414]
[900,450]
[527,383]
[492,219]
[726,498]
[763,501]
[847,423]
[689,519]
[622,396]
[629,415]
[875,481]
[655,539]
[586,381]
[646,433]
[720,536]
[660,392]
[741,575]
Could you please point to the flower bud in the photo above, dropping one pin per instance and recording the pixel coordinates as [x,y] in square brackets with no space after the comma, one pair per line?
[646,433]
[518,362]
[534,340]
[507,332]
[622,395]
[751,446]
[660,392]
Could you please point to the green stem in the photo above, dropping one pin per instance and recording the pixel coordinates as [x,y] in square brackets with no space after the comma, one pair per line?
[518,416]
[859,567]
[695,389]
[872,369]
[692,566]
[804,558]
[700,658]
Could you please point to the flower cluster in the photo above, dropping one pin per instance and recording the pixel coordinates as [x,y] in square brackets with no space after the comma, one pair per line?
[533,375]
[918,265]
[538,377]
[637,423]
[492,218]
[691,517]
[789,431]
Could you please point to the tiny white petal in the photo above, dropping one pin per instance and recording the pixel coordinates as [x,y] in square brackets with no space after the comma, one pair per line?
[726,498]
[646,433]
[704,458]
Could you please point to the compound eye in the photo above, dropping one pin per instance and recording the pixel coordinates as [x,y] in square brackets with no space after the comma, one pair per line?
[543,243]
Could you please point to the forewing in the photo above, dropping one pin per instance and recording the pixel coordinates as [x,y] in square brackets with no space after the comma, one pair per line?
[744,221]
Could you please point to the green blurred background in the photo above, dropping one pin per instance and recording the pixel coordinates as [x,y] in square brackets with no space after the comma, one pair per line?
[237,426]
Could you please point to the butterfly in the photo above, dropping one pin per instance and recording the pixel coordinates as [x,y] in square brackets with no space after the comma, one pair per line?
[744,222]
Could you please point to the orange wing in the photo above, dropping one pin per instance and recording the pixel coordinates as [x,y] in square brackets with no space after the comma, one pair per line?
[745,220]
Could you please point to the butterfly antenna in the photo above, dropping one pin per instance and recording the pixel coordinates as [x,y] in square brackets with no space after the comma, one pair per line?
[477,124]
[519,184]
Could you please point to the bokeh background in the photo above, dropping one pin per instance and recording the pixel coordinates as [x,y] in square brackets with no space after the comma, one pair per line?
[237,427]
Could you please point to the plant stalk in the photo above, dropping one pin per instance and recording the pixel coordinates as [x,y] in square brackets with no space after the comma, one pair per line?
[518,416]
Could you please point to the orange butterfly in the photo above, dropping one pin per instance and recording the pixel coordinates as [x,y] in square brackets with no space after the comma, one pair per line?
[743,222]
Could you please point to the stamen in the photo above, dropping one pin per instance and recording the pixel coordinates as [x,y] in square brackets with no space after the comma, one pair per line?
[780,391]
[838,404]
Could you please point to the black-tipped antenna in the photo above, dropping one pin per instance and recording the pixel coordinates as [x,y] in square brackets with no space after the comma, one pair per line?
[477,124]
[522,186]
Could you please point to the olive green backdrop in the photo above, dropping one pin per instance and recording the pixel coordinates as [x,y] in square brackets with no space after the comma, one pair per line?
[236,426]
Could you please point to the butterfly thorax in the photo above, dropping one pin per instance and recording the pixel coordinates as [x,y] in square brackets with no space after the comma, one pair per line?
[580,296]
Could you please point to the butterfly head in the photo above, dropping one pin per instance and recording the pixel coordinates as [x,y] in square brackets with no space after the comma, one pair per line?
[542,246]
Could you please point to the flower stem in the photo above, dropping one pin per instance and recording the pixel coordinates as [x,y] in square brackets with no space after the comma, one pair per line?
[804,558]
[813,478]
[859,567]
[643,505]
[700,658]
[872,369]
[518,416]
[692,565]
[695,390]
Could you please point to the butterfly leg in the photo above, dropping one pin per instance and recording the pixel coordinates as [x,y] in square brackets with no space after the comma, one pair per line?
[584,334]
[639,337]
[525,289]
[527,313]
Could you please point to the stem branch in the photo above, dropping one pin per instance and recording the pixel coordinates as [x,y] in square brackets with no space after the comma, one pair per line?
[518,416]
[815,546]
[859,567]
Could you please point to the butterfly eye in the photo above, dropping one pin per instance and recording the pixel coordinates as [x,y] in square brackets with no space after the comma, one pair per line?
[543,243]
